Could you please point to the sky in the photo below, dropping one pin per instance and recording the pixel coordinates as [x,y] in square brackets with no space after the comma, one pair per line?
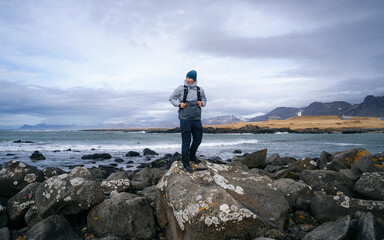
[95,62]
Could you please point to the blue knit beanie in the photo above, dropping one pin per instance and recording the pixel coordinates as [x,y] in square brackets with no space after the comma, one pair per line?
[192,74]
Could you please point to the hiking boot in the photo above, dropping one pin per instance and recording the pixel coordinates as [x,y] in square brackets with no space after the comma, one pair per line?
[187,168]
[194,159]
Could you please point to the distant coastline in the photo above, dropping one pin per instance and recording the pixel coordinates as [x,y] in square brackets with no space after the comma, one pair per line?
[303,124]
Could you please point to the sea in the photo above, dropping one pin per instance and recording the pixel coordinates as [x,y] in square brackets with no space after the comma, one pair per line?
[64,149]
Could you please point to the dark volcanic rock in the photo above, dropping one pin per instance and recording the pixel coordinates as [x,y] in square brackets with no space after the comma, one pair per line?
[368,228]
[54,227]
[330,230]
[148,151]
[68,193]
[216,160]
[302,164]
[124,215]
[16,175]
[52,171]
[132,154]
[371,185]
[220,202]
[22,141]
[293,190]
[329,181]
[36,155]
[19,204]
[344,159]
[323,160]
[330,208]
[369,163]
[274,160]
[118,181]
[256,159]
[97,156]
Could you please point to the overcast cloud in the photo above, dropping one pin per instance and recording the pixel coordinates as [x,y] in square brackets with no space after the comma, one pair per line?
[96,62]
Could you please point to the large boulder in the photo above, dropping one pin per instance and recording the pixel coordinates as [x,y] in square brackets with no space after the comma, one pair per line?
[330,230]
[148,151]
[218,202]
[52,171]
[256,159]
[16,175]
[274,160]
[371,185]
[132,154]
[19,204]
[54,227]
[124,215]
[68,193]
[330,208]
[369,163]
[329,181]
[293,190]
[344,159]
[3,217]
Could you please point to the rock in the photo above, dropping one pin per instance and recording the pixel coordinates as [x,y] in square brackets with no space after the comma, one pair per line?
[21,141]
[16,175]
[274,160]
[220,202]
[68,193]
[54,227]
[330,208]
[293,190]
[151,195]
[5,234]
[302,217]
[124,215]
[132,154]
[19,204]
[351,174]
[36,155]
[368,228]
[97,156]
[148,151]
[288,160]
[273,168]
[216,160]
[298,231]
[302,204]
[285,173]
[329,181]
[323,160]
[149,175]
[118,181]
[302,164]
[256,159]
[137,186]
[237,151]
[119,160]
[3,217]
[369,163]
[330,230]
[371,185]
[32,216]
[52,171]
[344,159]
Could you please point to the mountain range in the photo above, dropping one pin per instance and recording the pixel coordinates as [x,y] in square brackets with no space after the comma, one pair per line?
[371,107]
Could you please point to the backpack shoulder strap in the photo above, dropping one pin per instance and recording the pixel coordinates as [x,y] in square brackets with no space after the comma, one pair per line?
[185,94]
[198,94]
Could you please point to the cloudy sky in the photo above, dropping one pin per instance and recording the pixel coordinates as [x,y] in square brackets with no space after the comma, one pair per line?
[97,62]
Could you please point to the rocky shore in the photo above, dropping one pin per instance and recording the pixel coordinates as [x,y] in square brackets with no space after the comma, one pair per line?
[335,196]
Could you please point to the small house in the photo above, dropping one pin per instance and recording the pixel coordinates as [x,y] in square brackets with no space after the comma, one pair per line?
[273,118]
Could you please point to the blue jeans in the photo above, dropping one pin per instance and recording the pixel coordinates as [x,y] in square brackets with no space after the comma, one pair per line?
[188,128]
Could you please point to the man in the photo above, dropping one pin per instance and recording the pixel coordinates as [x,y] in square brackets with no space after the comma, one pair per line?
[189,98]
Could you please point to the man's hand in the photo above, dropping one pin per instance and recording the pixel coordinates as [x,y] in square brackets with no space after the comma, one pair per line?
[199,103]
[182,105]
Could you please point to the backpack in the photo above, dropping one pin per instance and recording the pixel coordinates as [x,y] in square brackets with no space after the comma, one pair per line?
[186,93]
